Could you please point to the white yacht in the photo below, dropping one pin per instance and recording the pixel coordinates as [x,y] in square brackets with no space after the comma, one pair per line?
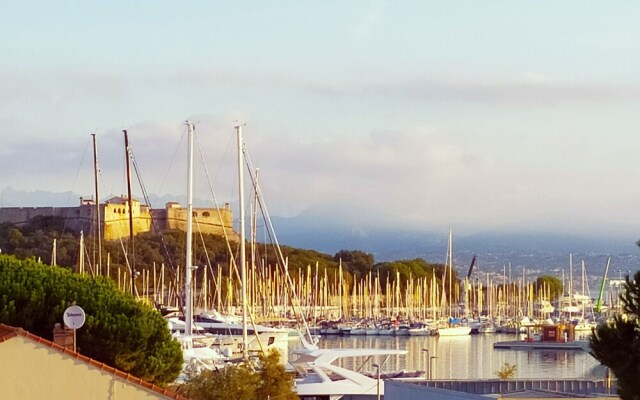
[454,330]
[216,324]
[197,356]
[321,378]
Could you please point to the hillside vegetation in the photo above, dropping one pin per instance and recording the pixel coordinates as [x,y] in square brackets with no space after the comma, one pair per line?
[152,250]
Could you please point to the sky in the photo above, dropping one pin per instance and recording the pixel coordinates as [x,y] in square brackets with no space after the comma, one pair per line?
[426,115]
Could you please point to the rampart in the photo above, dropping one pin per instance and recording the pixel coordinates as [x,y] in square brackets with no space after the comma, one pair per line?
[115,218]
[77,218]
[206,220]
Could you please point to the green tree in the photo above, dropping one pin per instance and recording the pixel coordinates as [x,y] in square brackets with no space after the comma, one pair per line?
[553,284]
[118,331]
[237,382]
[267,379]
[274,381]
[616,344]
[416,268]
[357,262]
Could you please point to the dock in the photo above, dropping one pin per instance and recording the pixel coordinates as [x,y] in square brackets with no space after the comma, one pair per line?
[541,345]
[483,388]
[546,337]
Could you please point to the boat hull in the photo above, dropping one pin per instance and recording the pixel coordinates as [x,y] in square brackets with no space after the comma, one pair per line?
[454,331]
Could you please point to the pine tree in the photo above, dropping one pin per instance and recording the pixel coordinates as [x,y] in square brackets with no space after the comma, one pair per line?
[119,331]
[616,344]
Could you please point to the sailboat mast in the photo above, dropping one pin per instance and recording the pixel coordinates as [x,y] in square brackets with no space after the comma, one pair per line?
[132,260]
[450,271]
[97,204]
[81,255]
[254,233]
[340,289]
[570,278]
[54,256]
[188,331]
[243,255]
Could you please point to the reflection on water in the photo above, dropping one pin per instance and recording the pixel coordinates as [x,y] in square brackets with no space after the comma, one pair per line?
[465,357]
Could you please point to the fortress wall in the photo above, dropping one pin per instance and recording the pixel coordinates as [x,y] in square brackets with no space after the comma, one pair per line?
[205,220]
[21,215]
[76,218]
[115,218]
[116,229]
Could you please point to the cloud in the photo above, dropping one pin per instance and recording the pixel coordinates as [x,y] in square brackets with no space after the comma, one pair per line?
[389,177]
[82,100]
[420,175]
[529,89]
[523,92]
[417,178]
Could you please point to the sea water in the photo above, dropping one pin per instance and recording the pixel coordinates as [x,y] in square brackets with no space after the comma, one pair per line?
[464,357]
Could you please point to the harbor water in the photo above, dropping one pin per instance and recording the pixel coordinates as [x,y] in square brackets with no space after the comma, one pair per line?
[464,357]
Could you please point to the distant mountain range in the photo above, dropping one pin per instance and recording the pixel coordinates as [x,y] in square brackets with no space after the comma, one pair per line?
[546,251]
[38,198]
[329,234]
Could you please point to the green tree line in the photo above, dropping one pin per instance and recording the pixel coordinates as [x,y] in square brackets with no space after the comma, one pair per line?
[35,239]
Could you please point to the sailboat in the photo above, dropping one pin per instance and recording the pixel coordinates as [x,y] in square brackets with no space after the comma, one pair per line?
[229,332]
[196,356]
[453,326]
[584,323]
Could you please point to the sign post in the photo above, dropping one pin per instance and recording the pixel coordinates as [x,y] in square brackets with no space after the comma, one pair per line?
[74,318]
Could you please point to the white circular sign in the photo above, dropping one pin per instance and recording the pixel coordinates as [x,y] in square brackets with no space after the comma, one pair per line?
[73,317]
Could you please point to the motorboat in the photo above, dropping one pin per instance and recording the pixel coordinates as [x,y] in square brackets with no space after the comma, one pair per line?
[420,331]
[320,377]
[454,330]
[453,327]
[401,330]
[372,330]
[386,330]
[358,330]
[197,356]
[218,325]
[219,332]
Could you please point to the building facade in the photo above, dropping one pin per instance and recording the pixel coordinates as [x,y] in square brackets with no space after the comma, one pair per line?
[35,368]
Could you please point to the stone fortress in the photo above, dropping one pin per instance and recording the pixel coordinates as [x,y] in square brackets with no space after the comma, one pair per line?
[114,215]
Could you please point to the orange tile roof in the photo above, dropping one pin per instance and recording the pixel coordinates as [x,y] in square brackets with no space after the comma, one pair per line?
[8,332]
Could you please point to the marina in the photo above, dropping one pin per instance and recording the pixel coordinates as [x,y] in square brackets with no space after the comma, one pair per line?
[432,198]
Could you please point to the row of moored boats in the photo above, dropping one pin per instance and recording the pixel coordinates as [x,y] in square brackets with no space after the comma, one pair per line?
[451,327]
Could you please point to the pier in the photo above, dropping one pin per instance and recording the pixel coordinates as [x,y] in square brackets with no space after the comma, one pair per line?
[579,387]
[582,345]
